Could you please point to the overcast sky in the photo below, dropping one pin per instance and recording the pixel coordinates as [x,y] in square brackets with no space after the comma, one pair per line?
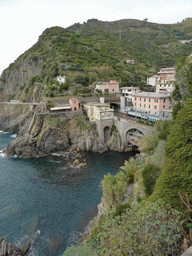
[22,21]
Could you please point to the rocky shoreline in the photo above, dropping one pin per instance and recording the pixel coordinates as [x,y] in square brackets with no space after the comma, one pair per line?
[7,249]
[41,135]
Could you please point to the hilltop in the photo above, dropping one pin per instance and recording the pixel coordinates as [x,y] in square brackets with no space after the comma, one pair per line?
[96,51]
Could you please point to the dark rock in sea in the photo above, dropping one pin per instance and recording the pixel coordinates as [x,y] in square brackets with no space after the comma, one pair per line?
[7,249]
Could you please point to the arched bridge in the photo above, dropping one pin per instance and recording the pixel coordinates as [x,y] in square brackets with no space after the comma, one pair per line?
[123,125]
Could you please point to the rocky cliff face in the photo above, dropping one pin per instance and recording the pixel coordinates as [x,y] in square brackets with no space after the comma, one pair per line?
[115,143]
[48,134]
[17,77]
[15,118]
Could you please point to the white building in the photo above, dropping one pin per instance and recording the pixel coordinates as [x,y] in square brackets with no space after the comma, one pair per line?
[153,80]
[127,92]
[61,79]
[166,86]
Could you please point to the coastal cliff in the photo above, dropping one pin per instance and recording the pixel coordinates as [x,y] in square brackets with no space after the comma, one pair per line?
[49,134]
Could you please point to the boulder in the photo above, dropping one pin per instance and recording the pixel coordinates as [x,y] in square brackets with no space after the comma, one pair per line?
[7,249]
[188,252]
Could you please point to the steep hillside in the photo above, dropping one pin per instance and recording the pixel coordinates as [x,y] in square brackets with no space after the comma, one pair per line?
[95,51]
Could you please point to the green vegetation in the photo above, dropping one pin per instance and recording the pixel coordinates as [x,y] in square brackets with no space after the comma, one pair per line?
[149,175]
[113,129]
[85,125]
[176,173]
[97,51]
[49,104]
[183,84]
[145,229]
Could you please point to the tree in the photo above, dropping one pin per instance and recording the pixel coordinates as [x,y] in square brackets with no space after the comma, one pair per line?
[149,175]
[183,83]
[176,175]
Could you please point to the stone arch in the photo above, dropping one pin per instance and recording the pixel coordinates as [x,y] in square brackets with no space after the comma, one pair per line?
[106,131]
[132,137]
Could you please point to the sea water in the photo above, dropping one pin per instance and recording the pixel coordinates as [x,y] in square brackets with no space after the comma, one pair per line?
[38,203]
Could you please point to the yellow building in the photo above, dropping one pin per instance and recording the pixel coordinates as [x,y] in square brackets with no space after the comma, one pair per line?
[98,111]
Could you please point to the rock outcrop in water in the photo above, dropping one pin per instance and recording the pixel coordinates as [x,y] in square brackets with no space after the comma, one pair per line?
[7,249]
[49,134]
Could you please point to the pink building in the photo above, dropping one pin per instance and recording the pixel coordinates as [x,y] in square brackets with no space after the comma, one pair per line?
[74,103]
[112,86]
[152,103]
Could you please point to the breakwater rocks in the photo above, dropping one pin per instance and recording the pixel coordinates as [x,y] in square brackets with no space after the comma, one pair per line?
[7,249]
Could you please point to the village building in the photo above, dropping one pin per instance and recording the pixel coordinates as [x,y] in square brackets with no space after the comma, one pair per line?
[165,86]
[74,103]
[151,106]
[111,87]
[153,80]
[100,87]
[72,106]
[61,79]
[63,108]
[127,92]
[132,62]
[166,74]
[98,111]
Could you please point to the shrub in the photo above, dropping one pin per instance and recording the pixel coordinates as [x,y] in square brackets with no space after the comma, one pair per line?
[49,104]
[145,229]
[78,251]
[113,128]
[120,208]
[130,167]
[149,175]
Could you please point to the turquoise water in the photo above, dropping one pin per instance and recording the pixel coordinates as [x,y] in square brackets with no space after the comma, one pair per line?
[39,203]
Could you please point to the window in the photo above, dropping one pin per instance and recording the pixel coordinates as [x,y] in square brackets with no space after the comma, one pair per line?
[140,99]
[135,98]
[163,106]
[144,105]
[156,100]
[149,100]
[160,85]
[155,107]
[163,100]
[149,106]
[135,104]
[140,105]
[144,99]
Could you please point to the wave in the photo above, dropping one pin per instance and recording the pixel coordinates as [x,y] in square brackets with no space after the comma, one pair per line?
[2,154]
[26,237]
[14,136]
[54,154]
[3,132]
